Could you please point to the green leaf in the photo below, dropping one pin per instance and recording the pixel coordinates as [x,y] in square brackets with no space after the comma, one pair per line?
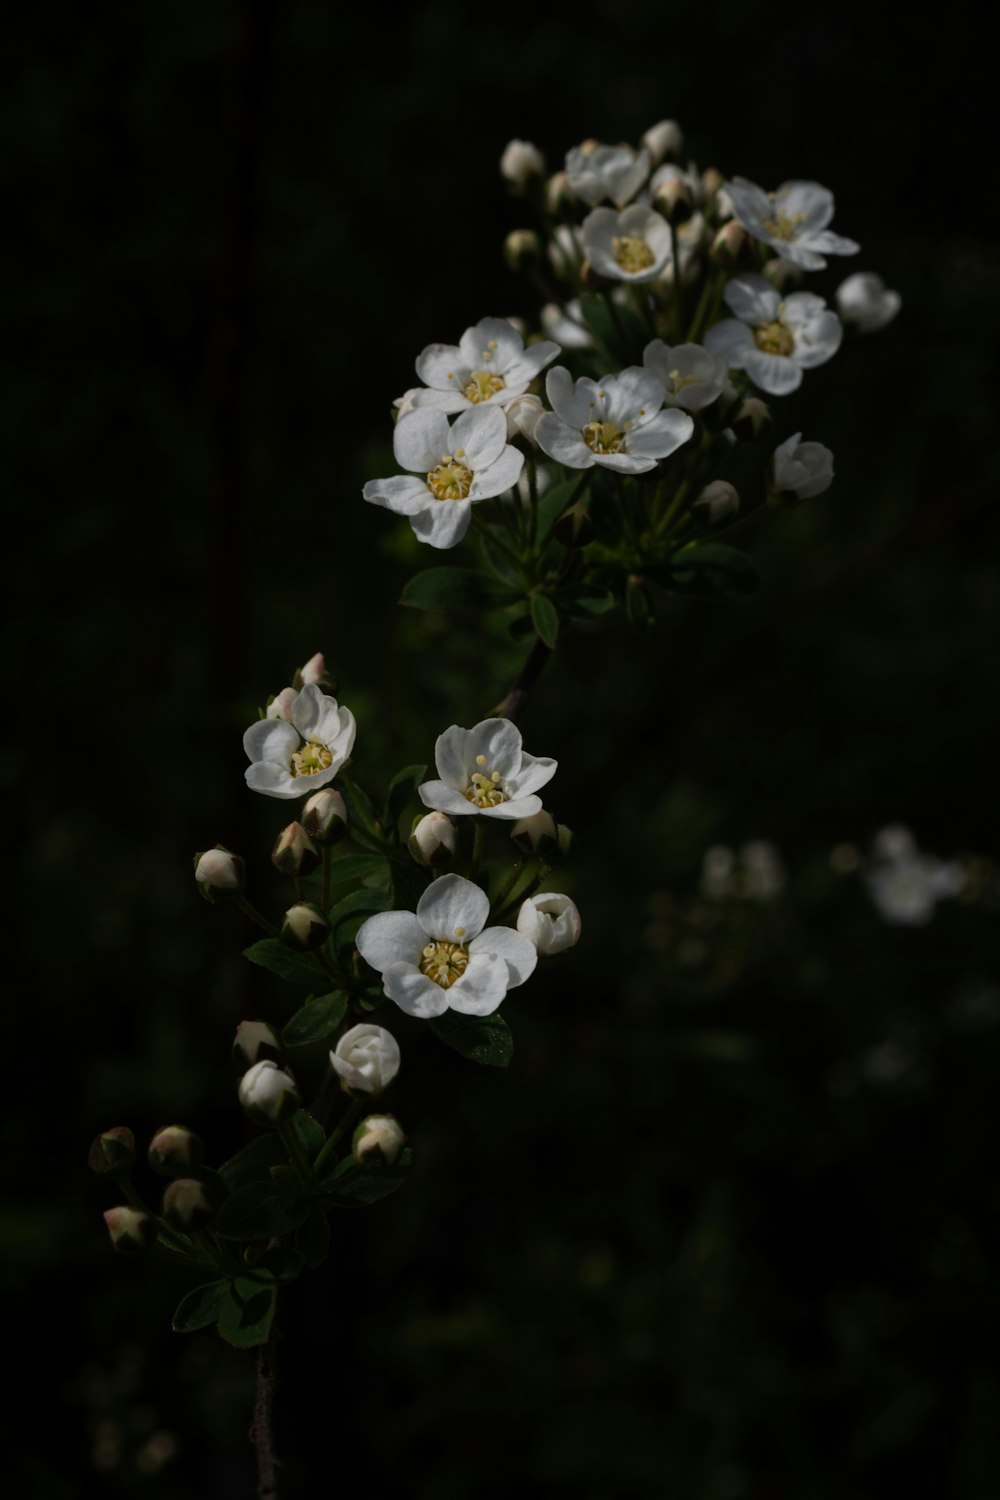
[551,504]
[455,588]
[605,324]
[317,1019]
[353,869]
[258,1212]
[501,563]
[200,1308]
[272,954]
[711,571]
[545,618]
[482,1039]
[584,599]
[313,1239]
[246,1314]
[310,1132]
[364,901]
[350,1184]
[402,787]
[281,1264]
[360,809]
[254,1162]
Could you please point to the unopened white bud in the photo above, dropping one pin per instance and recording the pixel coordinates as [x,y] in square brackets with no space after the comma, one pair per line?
[304,926]
[663,140]
[522,248]
[802,469]
[522,417]
[550,921]
[294,852]
[784,275]
[560,198]
[405,402]
[521,163]
[174,1150]
[731,247]
[717,502]
[366,1059]
[186,1204]
[268,1093]
[255,1042]
[324,816]
[281,705]
[378,1141]
[130,1229]
[536,833]
[219,873]
[313,671]
[433,839]
[672,198]
[864,300]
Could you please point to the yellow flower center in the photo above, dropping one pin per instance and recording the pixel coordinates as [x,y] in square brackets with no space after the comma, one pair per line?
[632,254]
[444,963]
[604,437]
[484,789]
[451,480]
[312,758]
[679,381]
[784,226]
[774,338]
[482,385]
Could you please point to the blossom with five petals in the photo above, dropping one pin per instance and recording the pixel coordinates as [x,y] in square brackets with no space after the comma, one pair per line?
[632,246]
[293,757]
[774,338]
[490,363]
[793,220]
[598,172]
[484,770]
[440,958]
[616,422]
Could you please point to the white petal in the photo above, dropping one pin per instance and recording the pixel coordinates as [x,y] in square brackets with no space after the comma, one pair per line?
[818,340]
[517,807]
[499,742]
[276,781]
[563,443]
[517,952]
[440,366]
[499,476]
[443,524]
[403,493]
[446,401]
[636,390]
[453,758]
[753,299]
[419,440]
[390,937]
[481,988]
[732,340]
[833,244]
[271,740]
[535,771]
[453,909]
[531,362]
[774,373]
[625,463]
[482,432]
[316,715]
[443,798]
[810,200]
[413,992]
[571,400]
[667,432]
[475,345]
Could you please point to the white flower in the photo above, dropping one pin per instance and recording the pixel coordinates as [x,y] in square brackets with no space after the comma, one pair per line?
[522,416]
[294,759]
[864,300]
[793,220]
[671,172]
[268,1092]
[616,422]
[550,921]
[774,338]
[907,885]
[460,463]
[631,246]
[691,377]
[440,957]
[366,1058]
[490,363]
[804,468]
[565,250]
[566,325]
[663,139]
[484,770]
[894,842]
[597,172]
[520,162]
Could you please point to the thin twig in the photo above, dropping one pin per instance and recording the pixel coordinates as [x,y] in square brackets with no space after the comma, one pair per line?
[261,1431]
[514,704]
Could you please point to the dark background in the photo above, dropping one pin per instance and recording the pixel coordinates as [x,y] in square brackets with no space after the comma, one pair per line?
[728,1227]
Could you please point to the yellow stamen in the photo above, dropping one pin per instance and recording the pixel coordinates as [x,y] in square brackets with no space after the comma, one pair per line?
[604,437]
[444,962]
[312,758]
[450,480]
[632,254]
[485,791]
[483,385]
[774,338]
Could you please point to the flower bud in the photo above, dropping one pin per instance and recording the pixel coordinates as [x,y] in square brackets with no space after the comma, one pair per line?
[673,200]
[711,182]
[550,921]
[281,705]
[314,671]
[522,417]
[520,164]
[717,502]
[267,1093]
[751,419]
[522,249]
[663,140]
[304,926]
[731,247]
[294,852]
[112,1153]
[537,834]
[366,1058]
[433,839]
[186,1204]
[219,873]
[783,275]
[324,816]
[130,1229]
[174,1150]
[405,402]
[560,199]
[800,470]
[378,1141]
[255,1042]
[574,527]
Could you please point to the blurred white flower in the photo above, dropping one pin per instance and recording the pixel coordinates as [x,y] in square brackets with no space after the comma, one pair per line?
[691,377]
[566,325]
[906,885]
[805,469]
[549,920]
[520,162]
[865,300]
[793,220]
[366,1058]
[632,246]
[615,173]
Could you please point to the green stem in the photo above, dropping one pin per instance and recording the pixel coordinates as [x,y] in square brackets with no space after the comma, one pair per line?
[325,887]
[359,1103]
[296,1150]
[508,886]
[255,916]
[522,895]
[478,845]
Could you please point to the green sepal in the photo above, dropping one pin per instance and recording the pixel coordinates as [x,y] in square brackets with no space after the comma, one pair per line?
[348,1184]
[482,1039]
[317,1019]
[310,1133]
[254,1162]
[312,1239]
[710,571]
[246,1314]
[273,955]
[584,599]
[200,1308]
[455,588]
[259,1212]
[402,787]
[545,618]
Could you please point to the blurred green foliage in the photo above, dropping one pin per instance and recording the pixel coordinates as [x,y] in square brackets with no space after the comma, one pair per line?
[728,1226]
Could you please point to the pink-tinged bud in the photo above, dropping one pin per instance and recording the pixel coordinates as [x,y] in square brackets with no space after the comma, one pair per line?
[377,1142]
[731,247]
[186,1204]
[304,926]
[521,164]
[255,1042]
[174,1150]
[219,873]
[711,182]
[673,200]
[324,816]
[294,852]
[268,1094]
[433,839]
[536,835]
[130,1229]
[751,419]
[783,275]
[664,142]
[112,1153]
[522,248]
[718,501]
[314,671]
[280,706]
[560,198]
